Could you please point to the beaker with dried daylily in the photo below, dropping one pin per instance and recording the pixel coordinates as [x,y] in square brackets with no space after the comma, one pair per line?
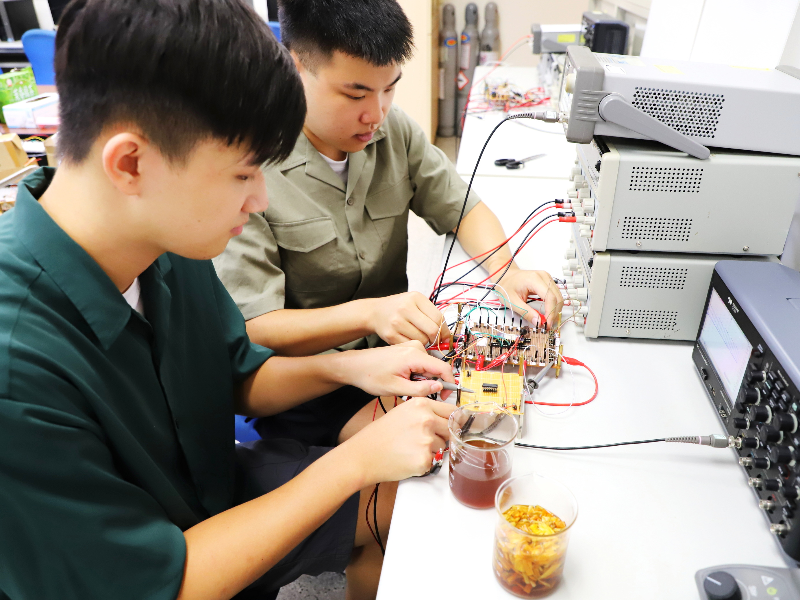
[536,515]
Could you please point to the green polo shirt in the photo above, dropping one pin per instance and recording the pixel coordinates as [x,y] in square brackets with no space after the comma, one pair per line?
[116,430]
[322,242]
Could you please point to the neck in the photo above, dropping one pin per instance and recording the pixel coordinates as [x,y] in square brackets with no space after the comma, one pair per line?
[322,147]
[94,214]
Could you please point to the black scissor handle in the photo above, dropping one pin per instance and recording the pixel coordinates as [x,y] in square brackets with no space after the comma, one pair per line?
[502,162]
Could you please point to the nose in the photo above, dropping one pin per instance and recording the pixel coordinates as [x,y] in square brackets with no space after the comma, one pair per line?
[257,200]
[376,110]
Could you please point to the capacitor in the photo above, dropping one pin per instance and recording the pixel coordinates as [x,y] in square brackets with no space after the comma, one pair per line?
[490,36]
[448,63]
[468,58]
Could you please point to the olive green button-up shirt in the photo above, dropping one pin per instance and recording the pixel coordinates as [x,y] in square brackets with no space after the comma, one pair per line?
[322,243]
[116,430]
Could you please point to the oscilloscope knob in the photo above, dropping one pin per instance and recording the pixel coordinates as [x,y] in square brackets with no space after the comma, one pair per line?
[785,422]
[720,585]
[782,455]
[750,443]
[772,485]
[769,435]
[741,423]
[752,396]
[759,414]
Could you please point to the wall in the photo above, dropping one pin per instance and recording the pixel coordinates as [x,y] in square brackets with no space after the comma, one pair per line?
[417,91]
[516,18]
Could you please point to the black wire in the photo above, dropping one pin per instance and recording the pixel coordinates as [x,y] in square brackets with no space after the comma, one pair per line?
[464,205]
[587,447]
[442,285]
[383,408]
[517,251]
[375,519]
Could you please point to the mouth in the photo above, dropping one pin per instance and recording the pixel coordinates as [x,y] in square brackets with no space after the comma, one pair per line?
[364,137]
[238,230]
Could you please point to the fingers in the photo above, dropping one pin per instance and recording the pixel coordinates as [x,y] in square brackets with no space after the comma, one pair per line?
[435,316]
[416,344]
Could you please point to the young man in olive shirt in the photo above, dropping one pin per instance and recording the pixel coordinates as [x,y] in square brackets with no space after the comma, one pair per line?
[123,358]
[325,265]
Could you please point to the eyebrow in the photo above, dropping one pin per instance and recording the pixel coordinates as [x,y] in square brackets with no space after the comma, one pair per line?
[362,87]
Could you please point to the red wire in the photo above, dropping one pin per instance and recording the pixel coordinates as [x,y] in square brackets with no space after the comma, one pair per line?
[555,220]
[508,239]
[577,363]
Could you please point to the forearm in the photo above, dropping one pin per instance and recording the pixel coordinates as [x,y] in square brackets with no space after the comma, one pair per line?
[229,551]
[303,332]
[284,382]
[481,231]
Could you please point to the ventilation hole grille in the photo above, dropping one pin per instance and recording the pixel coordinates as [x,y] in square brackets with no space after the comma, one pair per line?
[656,228]
[656,278]
[692,113]
[632,318]
[666,179]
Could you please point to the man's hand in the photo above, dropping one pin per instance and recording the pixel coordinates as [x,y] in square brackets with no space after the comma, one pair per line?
[387,371]
[519,284]
[409,316]
[403,442]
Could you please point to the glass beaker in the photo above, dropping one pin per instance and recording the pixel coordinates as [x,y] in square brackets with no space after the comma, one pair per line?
[527,565]
[481,442]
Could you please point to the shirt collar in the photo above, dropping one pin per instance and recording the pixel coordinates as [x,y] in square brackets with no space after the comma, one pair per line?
[304,151]
[81,279]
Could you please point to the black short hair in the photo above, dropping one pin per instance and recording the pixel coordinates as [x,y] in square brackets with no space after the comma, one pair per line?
[376,31]
[179,70]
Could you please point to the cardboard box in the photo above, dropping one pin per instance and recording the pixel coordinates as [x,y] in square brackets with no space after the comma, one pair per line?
[16,85]
[39,111]
[50,148]
[12,156]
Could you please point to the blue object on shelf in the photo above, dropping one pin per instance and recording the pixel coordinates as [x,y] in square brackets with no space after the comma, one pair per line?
[245,431]
[40,48]
[276,29]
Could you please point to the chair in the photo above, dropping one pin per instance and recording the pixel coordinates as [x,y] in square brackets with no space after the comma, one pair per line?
[244,429]
[276,29]
[40,48]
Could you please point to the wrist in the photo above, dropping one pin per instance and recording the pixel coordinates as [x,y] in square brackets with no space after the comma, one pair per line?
[512,268]
[354,462]
[365,311]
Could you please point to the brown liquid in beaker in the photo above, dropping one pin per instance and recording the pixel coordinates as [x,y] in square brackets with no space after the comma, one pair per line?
[475,474]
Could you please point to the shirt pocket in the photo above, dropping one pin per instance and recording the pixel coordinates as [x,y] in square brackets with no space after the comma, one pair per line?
[309,254]
[388,210]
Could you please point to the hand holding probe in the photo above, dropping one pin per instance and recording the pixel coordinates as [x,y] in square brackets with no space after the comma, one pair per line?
[453,387]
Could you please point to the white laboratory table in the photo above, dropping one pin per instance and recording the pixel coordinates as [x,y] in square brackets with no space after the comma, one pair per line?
[650,516]
[518,138]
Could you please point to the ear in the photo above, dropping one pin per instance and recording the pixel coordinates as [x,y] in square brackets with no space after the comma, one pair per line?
[297,62]
[121,161]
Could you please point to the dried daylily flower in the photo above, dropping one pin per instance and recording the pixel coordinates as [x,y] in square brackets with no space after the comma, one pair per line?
[528,566]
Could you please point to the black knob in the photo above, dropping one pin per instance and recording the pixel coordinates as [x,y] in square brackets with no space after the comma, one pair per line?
[740,408]
[767,434]
[752,396]
[720,585]
[759,414]
[741,423]
[790,492]
[755,365]
[783,422]
[750,442]
[781,455]
[756,376]
[772,485]
[759,462]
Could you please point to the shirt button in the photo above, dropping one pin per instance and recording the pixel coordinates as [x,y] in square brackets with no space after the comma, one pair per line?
[350,202]
[362,256]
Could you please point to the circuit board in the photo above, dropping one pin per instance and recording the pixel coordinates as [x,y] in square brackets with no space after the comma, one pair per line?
[492,359]
[504,389]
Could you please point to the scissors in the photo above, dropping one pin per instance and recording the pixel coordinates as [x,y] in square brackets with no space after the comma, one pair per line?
[513,163]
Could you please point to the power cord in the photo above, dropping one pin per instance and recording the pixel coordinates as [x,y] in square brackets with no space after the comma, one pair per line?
[548,116]
[714,441]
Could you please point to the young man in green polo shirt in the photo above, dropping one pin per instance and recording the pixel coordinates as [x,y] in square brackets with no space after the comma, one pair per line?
[325,265]
[123,358]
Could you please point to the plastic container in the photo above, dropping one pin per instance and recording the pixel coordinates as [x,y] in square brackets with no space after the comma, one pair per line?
[527,565]
[481,446]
